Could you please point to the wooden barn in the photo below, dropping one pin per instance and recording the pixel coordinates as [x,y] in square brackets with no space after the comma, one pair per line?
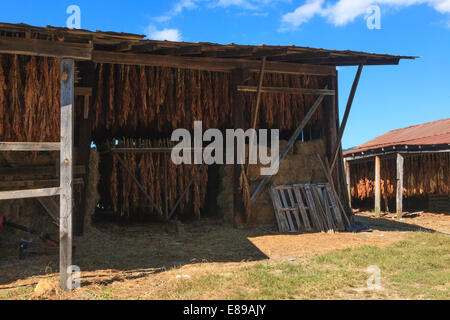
[404,169]
[64,91]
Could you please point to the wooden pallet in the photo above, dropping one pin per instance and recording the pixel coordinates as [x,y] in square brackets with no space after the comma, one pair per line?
[306,207]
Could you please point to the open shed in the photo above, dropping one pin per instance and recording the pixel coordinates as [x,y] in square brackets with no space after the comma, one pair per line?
[63,90]
[406,168]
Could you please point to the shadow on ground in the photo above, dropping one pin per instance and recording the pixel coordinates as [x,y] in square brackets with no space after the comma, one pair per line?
[392,224]
[133,251]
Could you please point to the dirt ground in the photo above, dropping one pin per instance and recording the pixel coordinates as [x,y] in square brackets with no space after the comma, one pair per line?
[135,260]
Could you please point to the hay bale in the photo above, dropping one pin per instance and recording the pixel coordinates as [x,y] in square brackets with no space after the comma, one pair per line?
[283,144]
[44,289]
[264,214]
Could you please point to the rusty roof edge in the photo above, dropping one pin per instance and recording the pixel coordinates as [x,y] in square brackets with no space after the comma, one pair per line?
[377,143]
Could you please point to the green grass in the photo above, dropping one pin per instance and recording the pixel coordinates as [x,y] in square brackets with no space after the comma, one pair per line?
[417,268]
[21,293]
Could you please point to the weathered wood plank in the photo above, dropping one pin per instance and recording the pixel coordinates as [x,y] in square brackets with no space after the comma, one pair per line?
[348,181]
[346,114]
[301,205]
[29,146]
[32,193]
[37,47]
[285,204]
[209,64]
[36,171]
[399,191]
[285,90]
[317,222]
[239,212]
[281,218]
[66,171]
[295,211]
[327,171]
[34,183]
[377,186]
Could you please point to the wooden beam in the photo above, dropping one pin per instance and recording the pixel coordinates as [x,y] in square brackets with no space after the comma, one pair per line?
[346,114]
[327,171]
[377,186]
[327,59]
[258,101]
[83,140]
[290,143]
[35,171]
[66,171]
[209,64]
[285,90]
[29,146]
[348,183]
[34,183]
[36,47]
[399,194]
[32,193]
[239,214]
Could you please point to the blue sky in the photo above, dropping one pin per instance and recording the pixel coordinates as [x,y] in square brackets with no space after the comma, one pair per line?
[388,97]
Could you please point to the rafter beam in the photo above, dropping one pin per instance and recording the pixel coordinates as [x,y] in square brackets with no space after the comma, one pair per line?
[209,64]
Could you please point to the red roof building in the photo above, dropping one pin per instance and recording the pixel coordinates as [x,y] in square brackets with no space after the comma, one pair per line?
[407,167]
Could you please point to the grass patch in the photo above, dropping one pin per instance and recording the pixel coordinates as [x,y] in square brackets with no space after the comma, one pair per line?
[417,268]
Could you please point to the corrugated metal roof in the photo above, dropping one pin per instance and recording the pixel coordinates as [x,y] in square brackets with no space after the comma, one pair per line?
[430,133]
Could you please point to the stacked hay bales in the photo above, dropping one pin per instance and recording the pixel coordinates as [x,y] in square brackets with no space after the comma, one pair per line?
[300,165]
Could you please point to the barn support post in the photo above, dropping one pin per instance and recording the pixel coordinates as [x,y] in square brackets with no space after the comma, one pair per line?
[239,216]
[66,172]
[346,114]
[83,135]
[399,195]
[347,181]
[377,186]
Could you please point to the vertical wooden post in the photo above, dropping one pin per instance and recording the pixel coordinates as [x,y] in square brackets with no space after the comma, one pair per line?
[82,140]
[66,174]
[399,196]
[377,187]
[166,185]
[347,180]
[237,78]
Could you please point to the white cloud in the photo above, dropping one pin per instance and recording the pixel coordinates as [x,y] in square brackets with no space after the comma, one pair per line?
[239,3]
[249,5]
[341,12]
[303,13]
[178,8]
[163,34]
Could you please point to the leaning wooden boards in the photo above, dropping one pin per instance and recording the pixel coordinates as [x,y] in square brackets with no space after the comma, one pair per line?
[306,208]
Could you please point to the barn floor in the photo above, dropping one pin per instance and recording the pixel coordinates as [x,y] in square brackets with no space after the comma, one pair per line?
[137,261]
